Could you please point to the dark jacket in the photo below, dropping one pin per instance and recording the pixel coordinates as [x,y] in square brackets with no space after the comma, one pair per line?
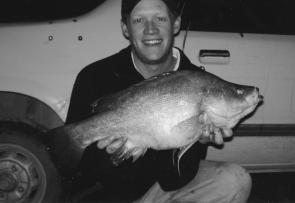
[128,180]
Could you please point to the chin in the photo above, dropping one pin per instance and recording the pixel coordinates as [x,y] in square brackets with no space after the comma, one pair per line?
[153,60]
[156,57]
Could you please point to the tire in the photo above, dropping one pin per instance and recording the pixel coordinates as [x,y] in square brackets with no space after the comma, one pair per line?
[27,173]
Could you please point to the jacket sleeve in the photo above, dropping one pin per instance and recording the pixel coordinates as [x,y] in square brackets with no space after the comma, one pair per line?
[174,173]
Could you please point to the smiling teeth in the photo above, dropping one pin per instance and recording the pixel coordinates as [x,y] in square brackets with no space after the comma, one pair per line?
[152,42]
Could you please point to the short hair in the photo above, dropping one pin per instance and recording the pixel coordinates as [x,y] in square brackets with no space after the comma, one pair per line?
[174,7]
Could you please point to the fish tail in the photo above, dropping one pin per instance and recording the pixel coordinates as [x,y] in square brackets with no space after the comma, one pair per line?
[64,152]
[83,134]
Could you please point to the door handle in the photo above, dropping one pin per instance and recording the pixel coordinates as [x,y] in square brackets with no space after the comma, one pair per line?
[214,56]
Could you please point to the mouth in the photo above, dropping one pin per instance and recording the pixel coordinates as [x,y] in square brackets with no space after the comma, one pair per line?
[228,113]
[252,104]
[152,42]
[222,119]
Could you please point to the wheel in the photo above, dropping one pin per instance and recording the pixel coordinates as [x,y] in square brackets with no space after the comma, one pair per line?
[26,171]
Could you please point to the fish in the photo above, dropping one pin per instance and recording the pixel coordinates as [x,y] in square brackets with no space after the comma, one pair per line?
[172,110]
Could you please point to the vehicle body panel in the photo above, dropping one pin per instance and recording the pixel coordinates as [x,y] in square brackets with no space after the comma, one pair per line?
[42,60]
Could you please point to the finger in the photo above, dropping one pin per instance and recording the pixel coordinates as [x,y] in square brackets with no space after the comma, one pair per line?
[218,138]
[204,140]
[227,132]
[207,132]
[206,135]
[115,145]
[104,142]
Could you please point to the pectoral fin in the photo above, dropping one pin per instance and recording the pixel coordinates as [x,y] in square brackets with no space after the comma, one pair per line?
[180,153]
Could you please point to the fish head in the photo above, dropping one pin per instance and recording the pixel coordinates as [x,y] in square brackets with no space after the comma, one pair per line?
[225,104]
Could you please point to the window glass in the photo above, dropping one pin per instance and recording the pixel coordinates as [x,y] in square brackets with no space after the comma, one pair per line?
[242,16]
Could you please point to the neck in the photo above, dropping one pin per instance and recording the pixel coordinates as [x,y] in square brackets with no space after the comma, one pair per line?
[149,70]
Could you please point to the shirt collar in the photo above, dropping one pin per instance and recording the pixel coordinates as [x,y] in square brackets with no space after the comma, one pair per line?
[175,53]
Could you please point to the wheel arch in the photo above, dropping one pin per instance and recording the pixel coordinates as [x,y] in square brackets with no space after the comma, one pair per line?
[27,110]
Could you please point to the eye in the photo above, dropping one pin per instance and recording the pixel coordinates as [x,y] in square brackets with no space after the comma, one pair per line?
[162,19]
[138,20]
[240,91]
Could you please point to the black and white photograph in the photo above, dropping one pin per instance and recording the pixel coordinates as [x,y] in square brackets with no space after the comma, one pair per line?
[147,101]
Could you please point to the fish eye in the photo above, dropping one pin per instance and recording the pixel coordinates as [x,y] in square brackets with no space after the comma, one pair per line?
[240,91]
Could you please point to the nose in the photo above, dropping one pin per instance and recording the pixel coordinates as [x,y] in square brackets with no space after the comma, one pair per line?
[150,28]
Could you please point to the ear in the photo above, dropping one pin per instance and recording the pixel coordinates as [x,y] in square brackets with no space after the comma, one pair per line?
[124,30]
[177,24]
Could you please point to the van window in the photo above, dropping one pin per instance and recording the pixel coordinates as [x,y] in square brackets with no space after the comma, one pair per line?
[241,16]
[43,10]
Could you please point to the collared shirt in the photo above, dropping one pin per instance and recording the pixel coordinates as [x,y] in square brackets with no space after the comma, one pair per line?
[175,55]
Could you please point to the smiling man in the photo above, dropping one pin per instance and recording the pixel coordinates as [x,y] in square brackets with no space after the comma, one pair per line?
[150,29]
[150,26]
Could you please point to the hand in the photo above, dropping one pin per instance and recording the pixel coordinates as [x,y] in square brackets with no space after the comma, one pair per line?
[215,134]
[111,144]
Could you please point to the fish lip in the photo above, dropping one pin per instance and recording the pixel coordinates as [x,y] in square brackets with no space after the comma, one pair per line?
[232,120]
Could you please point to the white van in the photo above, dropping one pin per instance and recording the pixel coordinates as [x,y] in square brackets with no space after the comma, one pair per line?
[42,51]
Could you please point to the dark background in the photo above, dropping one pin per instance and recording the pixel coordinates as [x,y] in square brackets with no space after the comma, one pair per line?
[241,16]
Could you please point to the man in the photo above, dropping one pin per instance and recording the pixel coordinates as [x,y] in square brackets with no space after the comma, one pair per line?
[150,27]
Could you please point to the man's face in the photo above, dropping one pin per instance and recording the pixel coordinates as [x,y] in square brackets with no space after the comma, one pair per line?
[150,30]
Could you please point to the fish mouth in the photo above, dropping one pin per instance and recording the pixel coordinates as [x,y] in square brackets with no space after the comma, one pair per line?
[230,113]
[222,119]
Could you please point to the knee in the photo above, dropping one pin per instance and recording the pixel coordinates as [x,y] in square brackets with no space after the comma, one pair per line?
[235,178]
